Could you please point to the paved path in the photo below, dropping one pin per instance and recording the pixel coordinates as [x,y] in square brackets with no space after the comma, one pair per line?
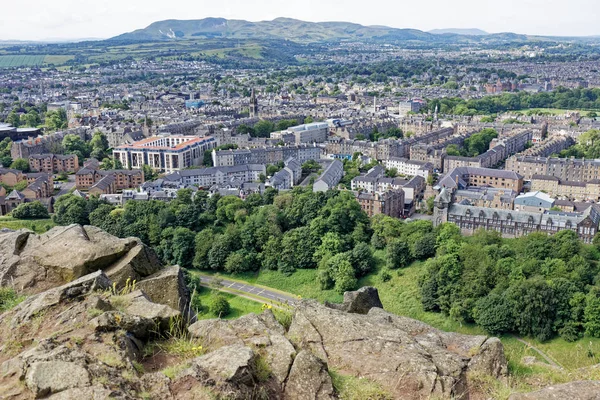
[541,353]
[253,291]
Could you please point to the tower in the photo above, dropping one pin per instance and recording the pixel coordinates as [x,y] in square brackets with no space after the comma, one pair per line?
[441,205]
[435,114]
[253,105]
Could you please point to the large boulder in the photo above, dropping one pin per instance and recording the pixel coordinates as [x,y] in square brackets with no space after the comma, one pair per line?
[167,287]
[580,390]
[138,304]
[257,331]
[65,253]
[309,379]
[232,364]
[139,262]
[39,302]
[48,377]
[408,360]
[359,301]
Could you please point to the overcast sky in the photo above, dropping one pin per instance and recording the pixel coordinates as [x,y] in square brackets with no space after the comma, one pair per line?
[43,19]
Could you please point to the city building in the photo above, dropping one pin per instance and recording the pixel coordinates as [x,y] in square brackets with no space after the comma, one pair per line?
[408,167]
[265,155]
[86,178]
[512,223]
[207,177]
[165,153]
[330,177]
[390,203]
[53,163]
[464,177]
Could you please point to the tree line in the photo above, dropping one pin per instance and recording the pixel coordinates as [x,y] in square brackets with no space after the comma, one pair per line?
[298,229]
[563,98]
[539,285]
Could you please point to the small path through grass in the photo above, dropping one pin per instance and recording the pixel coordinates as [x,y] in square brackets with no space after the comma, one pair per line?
[248,291]
[541,353]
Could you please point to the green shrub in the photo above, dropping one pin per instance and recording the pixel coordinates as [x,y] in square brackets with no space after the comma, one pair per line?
[220,306]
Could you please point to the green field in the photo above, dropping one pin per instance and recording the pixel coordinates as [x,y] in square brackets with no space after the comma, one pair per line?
[36,225]
[12,61]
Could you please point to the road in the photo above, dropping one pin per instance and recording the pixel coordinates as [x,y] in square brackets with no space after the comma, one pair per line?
[253,291]
[65,187]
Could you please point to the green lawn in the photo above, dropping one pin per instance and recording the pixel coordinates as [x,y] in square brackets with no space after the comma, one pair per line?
[36,225]
[239,305]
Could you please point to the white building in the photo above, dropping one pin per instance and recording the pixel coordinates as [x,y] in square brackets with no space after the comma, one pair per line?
[408,167]
[165,153]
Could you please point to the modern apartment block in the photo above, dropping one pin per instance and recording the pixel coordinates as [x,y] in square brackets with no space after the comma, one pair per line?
[165,153]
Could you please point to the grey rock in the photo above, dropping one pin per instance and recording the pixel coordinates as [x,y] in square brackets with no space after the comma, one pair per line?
[167,287]
[79,287]
[65,253]
[109,321]
[579,390]
[141,306]
[407,358]
[233,364]
[309,379]
[258,331]
[359,301]
[139,262]
[44,378]
[88,393]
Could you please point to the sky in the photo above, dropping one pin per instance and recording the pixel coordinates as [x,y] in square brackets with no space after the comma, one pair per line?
[76,19]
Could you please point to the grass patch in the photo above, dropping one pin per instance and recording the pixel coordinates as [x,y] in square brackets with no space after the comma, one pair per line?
[351,388]
[172,371]
[9,299]
[36,225]
[239,305]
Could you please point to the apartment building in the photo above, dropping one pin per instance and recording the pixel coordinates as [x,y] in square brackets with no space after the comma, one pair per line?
[53,163]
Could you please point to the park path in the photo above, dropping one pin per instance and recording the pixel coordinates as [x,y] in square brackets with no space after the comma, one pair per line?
[252,292]
[541,353]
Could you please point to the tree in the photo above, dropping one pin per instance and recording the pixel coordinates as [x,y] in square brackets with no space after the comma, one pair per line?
[21,164]
[494,313]
[149,173]
[56,120]
[263,128]
[391,173]
[183,247]
[99,145]
[73,144]
[534,308]
[70,209]
[219,306]
[33,210]
[361,257]
[592,312]
[345,278]
[398,254]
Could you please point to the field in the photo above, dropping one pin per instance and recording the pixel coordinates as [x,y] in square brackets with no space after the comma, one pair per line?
[36,225]
[11,61]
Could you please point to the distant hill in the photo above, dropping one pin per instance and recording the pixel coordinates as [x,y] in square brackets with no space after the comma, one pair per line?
[458,31]
[289,29]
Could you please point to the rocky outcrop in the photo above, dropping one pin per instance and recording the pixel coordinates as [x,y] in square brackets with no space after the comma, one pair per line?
[168,287]
[359,301]
[48,377]
[83,340]
[65,253]
[257,331]
[400,354]
[309,379]
[580,390]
